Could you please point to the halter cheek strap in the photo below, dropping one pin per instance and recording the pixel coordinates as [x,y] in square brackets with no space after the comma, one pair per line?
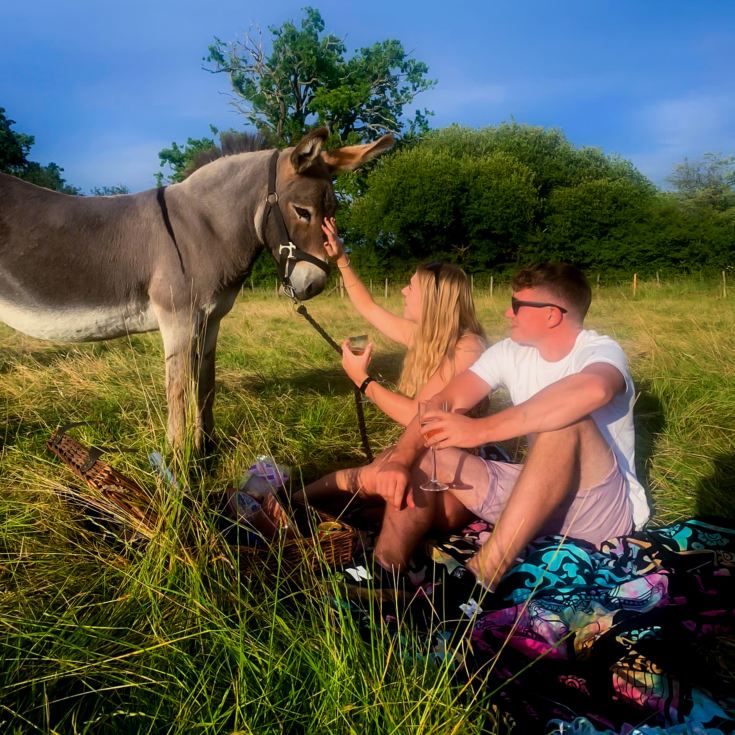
[288,253]
[288,256]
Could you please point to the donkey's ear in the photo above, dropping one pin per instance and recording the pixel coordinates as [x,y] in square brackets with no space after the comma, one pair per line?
[352,156]
[308,149]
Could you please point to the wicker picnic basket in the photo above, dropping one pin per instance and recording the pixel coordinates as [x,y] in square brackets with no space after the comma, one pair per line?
[332,541]
[109,492]
[310,536]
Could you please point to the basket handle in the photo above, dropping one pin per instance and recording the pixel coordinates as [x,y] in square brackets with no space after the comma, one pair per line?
[93,453]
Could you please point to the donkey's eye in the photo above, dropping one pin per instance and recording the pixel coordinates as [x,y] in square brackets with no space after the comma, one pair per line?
[302,213]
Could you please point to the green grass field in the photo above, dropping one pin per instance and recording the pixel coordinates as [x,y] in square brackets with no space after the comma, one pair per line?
[177,638]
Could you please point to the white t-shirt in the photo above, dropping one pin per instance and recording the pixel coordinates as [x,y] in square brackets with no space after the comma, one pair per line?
[523,372]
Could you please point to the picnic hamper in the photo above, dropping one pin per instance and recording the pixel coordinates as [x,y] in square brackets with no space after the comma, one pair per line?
[308,535]
[118,498]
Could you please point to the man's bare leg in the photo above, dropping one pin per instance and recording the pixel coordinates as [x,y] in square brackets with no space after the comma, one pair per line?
[403,529]
[559,464]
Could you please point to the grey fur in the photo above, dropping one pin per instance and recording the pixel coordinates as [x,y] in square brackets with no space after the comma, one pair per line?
[89,268]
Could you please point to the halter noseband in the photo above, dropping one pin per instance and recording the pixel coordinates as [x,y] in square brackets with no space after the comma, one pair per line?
[288,253]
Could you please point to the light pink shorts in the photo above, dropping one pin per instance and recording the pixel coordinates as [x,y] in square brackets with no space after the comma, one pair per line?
[595,515]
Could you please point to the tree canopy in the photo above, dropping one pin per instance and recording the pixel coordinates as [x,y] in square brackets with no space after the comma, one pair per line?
[305,78]
[179,158]
[14,150]
[489,198]
[709,181]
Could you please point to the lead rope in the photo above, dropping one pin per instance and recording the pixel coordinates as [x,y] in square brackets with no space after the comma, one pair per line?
[301,309]
[294,253]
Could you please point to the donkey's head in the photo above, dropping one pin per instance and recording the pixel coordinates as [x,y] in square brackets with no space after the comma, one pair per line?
[306,196]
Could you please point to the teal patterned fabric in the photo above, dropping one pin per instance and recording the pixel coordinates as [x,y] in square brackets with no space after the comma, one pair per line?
[633,633]
[576,639]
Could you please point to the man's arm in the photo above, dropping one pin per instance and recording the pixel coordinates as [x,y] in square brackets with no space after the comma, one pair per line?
[556,406]
[461,393]
[531,503]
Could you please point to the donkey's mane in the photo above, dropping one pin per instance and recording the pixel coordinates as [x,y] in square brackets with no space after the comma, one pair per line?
[230,143]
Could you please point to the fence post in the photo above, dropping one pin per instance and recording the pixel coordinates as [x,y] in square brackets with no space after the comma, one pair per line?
[472,283]
[724,285]
[658,282]
[341,287]
[491,285]
[635,283]
[252,288]
[598,281]
[276,287]
[371,285]
[386,288]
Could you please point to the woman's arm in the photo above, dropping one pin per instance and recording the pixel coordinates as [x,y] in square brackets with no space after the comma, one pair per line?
[393,327]
[399,407]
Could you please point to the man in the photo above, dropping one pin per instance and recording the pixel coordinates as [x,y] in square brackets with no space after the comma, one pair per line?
[572,396]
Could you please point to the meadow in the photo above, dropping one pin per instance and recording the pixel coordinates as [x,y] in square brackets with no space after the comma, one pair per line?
[176,637]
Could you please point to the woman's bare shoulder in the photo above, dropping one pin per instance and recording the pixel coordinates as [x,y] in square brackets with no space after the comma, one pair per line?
[470,342]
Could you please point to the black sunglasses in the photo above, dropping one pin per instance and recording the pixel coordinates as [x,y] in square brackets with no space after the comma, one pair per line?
[435,267]
[516,304]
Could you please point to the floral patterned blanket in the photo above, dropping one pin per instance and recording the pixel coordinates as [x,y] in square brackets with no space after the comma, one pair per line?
[638,634]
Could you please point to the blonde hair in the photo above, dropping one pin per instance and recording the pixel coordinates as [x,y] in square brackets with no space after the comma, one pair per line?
[447,313]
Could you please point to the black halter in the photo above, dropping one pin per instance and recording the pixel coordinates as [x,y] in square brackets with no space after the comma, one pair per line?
[288,253]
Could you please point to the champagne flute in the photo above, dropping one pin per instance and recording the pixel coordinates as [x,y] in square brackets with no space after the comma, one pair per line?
[433,485]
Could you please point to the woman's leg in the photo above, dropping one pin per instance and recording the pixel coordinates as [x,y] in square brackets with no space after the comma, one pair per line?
[352,480]
[346,480]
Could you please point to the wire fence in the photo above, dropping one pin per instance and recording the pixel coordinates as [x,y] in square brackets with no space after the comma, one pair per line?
[489,284]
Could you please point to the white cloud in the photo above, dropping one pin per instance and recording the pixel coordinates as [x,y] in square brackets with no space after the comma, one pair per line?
[456,102]
[685,127]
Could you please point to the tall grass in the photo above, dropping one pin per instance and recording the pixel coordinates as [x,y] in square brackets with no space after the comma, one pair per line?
[177,636]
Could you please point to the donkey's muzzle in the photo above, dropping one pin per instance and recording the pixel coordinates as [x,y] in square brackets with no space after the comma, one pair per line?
[307,280]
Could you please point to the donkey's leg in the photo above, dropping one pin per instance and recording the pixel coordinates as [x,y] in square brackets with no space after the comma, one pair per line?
[179,335]
[204,429]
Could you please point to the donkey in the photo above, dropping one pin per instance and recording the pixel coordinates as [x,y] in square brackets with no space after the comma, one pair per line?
[82,269]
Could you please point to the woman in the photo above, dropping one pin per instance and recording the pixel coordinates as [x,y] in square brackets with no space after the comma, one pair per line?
[438,327]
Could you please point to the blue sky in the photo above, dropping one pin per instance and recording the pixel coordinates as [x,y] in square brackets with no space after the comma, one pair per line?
[104,86]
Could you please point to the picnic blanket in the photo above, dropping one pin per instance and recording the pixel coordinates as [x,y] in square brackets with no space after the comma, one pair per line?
[639,632]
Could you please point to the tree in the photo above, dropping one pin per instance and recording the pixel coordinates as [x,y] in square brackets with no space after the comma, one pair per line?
[179,159]
[305,80]
[14,146]
[14,150]
[553,159]
[424,202]
[492,197]
[592,223]
[709,181]
[110,191]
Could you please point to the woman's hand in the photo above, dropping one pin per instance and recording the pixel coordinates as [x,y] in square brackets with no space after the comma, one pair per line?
[356,365]
[333,244]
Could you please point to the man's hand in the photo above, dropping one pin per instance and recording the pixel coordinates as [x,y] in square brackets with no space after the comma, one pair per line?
[442,430]
[392,484]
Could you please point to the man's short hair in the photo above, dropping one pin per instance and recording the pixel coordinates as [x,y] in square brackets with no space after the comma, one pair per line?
[563,280]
